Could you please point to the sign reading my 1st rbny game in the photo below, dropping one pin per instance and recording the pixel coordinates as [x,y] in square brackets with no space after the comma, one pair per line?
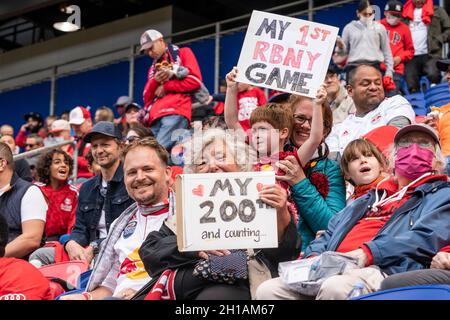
[286,54]
[223,211]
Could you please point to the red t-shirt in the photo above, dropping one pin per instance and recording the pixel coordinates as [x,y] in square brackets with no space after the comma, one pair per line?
[20,280]
[247,101]
[62,204]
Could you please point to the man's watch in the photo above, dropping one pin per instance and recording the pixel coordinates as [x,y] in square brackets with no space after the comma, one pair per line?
[95,246]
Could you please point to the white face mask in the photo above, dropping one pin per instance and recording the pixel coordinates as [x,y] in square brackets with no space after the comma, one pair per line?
[367,21]
[393,21]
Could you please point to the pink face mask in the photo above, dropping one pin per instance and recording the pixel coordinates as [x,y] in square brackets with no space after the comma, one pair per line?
[413,161]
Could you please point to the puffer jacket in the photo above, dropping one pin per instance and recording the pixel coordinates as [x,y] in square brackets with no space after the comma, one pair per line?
[414,233]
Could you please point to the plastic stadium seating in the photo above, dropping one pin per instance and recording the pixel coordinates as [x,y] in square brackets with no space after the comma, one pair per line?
[81,285]
[67,271]
[427,292]
[437,89]
[438,100]
[417,101]
[424,84]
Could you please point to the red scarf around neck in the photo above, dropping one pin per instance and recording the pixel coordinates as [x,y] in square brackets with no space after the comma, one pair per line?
[388,185]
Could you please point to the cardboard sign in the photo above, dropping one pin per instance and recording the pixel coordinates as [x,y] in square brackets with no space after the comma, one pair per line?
[286,54]
[223,211]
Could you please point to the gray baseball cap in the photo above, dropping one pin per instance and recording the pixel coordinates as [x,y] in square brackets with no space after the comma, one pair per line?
[105,128]
[420,127]
[123,101]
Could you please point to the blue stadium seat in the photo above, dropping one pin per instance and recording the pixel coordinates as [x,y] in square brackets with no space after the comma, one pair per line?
[404,86]
[426,292]
[437,89]
[417,101]
[415,96]
[424,84]
[438,100]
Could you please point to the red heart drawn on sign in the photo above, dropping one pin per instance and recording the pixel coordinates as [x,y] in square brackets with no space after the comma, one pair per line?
[259,187]
[198,191]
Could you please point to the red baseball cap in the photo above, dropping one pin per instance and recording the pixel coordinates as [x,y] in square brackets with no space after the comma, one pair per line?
[78,115]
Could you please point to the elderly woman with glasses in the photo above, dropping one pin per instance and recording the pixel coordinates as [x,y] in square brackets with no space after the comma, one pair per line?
[318,189]
[387,232]
[216,151]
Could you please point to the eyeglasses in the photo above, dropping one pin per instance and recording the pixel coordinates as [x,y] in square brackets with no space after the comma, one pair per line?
[422,144]
[29,145]
[302,119]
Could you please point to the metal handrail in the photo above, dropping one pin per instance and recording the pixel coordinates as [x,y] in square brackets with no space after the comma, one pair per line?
[137,53]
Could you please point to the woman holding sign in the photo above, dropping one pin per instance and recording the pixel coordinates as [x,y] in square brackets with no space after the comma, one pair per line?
[318,188]
[216,151]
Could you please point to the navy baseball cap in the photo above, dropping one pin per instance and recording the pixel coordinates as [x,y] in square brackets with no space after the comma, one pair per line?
[132,105]
[442,65]
[105,128]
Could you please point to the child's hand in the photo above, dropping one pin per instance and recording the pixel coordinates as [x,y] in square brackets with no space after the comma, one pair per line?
[231,78]
[321,96]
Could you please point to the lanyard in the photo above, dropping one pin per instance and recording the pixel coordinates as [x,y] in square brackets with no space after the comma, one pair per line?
[396,196]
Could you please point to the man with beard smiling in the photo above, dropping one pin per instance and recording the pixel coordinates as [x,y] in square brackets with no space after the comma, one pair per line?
[120,272]
[365,86]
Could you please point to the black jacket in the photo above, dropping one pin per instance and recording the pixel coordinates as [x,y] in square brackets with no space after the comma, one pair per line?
[90,204]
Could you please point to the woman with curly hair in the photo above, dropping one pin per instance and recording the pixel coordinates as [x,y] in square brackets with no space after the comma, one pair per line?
[54,170]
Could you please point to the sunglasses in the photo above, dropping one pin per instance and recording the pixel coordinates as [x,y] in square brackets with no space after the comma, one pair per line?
[131,139]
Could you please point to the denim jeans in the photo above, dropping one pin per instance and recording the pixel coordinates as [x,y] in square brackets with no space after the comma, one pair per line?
[164,127]
[448,165]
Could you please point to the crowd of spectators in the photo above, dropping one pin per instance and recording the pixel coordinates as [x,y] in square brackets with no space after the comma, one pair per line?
[358,174]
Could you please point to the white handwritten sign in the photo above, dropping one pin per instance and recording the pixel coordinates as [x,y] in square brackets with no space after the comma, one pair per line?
[224,211]
[286,54]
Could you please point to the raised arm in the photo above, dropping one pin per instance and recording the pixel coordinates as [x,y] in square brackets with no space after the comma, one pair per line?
[230,111]
[309,147]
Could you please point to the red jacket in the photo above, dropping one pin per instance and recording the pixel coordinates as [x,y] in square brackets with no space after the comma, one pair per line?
[401,43]
[62,205]
[21,137]
[83,171]
[20,280]
[177,100]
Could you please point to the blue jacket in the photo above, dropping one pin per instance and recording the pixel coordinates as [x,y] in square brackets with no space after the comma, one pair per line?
[410,238]
[313,210]
[90,205]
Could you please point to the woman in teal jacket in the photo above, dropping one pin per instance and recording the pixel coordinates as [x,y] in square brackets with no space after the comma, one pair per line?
[318,189]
